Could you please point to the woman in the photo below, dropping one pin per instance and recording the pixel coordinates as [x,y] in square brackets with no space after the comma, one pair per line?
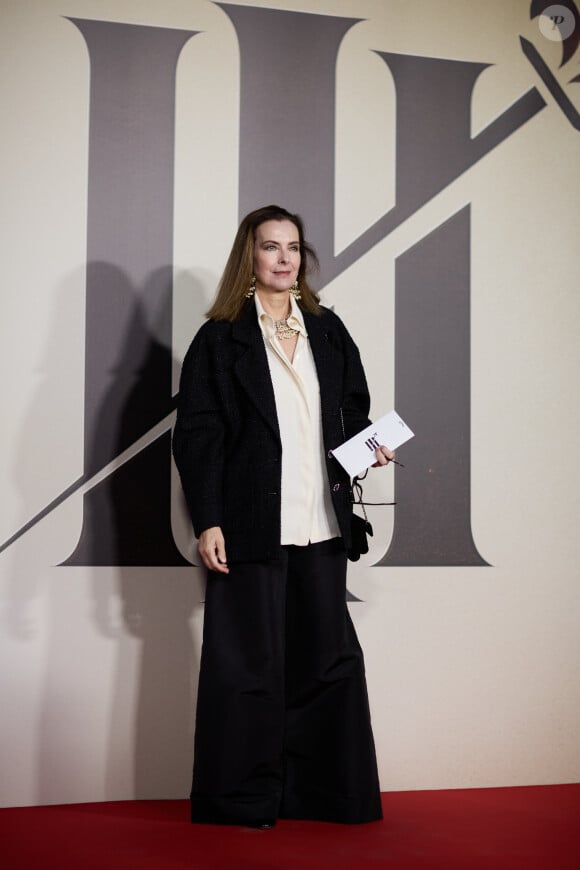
[271,383]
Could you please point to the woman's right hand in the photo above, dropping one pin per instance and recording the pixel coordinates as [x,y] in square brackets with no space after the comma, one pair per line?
[212,549]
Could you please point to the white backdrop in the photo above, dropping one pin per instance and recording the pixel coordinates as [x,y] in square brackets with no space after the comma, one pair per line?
[473,671]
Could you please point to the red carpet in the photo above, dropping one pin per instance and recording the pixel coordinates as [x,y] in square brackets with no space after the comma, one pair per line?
[528,828]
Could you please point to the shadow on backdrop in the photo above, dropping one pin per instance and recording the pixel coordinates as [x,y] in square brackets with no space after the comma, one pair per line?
[143,597]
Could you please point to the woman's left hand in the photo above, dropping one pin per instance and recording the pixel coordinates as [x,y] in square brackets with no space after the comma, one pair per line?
[384,456]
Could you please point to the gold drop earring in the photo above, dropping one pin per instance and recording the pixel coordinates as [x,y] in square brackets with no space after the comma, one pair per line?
[252,288]
[295,291]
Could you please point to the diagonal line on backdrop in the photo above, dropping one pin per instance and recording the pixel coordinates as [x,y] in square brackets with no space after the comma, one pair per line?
[551,82]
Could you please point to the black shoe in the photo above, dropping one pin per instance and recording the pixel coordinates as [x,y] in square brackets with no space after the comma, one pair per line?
[262,824]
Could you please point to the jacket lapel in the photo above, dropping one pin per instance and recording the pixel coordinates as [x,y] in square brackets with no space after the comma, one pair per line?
[252,369]
[328,361]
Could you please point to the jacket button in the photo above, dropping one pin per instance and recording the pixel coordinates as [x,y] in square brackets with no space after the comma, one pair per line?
[329,454]
[336,487]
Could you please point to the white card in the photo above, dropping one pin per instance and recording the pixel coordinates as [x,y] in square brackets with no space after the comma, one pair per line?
[358,453]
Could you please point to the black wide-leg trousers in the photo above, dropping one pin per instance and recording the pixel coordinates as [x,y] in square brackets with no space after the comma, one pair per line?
[283,725]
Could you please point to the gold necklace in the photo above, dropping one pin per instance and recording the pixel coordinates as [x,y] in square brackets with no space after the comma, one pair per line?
[283,330]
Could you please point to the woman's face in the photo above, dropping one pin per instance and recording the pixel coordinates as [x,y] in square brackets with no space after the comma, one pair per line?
[276,256]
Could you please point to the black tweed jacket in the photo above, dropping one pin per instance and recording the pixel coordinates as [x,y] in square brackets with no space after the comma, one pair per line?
[226,441]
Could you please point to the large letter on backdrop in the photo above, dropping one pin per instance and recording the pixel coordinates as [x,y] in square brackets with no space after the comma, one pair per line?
[126,517]
[287,151]
[287,114]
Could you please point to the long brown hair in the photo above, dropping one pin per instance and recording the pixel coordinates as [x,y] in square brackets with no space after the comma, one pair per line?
[234,284]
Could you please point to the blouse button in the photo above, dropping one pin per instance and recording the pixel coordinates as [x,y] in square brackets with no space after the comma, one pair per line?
[336,487]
